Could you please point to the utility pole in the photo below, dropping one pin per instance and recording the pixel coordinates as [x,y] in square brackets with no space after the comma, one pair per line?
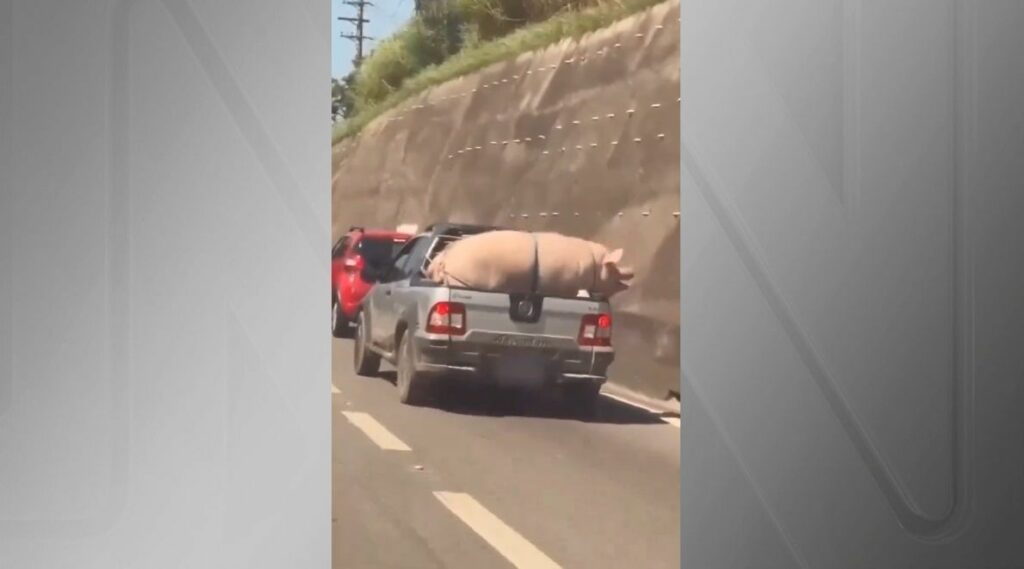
[359,37]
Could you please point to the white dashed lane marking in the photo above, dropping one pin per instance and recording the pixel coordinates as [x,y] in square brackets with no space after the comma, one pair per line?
[375,431]
[512,546]
[334,389]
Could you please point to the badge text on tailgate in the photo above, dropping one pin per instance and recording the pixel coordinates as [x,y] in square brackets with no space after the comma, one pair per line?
[520,341]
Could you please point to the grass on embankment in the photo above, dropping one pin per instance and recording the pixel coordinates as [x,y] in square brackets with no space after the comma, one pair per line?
[569,24]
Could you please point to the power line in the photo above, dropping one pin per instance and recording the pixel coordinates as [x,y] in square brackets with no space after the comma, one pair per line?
[398,6]
[359,20]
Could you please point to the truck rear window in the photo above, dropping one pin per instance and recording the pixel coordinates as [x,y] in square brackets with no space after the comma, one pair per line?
[377,250]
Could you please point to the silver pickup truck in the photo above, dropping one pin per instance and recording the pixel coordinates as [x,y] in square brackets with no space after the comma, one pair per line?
[429,331]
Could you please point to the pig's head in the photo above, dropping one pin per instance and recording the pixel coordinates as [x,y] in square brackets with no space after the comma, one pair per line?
[613,278]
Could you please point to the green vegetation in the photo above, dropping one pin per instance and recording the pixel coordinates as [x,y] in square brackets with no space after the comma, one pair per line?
[458,37]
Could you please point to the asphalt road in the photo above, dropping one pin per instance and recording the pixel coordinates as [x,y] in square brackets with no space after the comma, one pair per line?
[477,482]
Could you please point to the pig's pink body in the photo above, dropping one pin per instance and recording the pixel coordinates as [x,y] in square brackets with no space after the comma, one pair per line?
[503,261]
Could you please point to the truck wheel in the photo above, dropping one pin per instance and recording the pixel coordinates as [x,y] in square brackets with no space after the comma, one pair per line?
[339,324]
[583,398]
[411,384]
[366,362]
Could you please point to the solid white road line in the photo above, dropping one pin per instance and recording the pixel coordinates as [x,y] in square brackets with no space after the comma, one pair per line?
[632,403]
[375,431]
[674,421]
[505,540]
[335,390]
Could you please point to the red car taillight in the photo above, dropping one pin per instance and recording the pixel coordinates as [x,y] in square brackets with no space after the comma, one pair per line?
[596,330]
[447,318]
[355,264]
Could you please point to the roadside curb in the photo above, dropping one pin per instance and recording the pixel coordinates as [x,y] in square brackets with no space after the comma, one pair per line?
[668,407]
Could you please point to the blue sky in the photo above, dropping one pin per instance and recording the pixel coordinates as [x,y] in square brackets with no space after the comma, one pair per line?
[385,17]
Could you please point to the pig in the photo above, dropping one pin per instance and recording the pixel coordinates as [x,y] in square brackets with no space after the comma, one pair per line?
[496,260]
[503,261]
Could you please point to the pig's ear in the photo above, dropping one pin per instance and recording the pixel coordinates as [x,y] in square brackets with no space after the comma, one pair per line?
[613,258]
[625,273]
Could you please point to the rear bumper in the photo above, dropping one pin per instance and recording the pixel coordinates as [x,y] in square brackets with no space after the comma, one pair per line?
[441,356]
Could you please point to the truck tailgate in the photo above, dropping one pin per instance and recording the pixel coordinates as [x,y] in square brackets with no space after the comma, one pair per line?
[488,317]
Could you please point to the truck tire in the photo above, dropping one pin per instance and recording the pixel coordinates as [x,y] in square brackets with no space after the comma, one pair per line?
[412,386]
[339,324]
[365,360]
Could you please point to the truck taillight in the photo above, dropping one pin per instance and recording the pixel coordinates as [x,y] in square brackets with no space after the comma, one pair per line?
[447,318]
[596,330]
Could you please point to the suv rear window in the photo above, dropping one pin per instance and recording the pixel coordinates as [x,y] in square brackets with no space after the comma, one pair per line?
[378,250]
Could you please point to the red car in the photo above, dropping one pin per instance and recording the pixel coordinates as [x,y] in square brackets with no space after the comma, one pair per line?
[357,249]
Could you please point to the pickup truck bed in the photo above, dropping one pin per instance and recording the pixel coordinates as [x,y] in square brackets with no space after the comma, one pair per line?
[430,331]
